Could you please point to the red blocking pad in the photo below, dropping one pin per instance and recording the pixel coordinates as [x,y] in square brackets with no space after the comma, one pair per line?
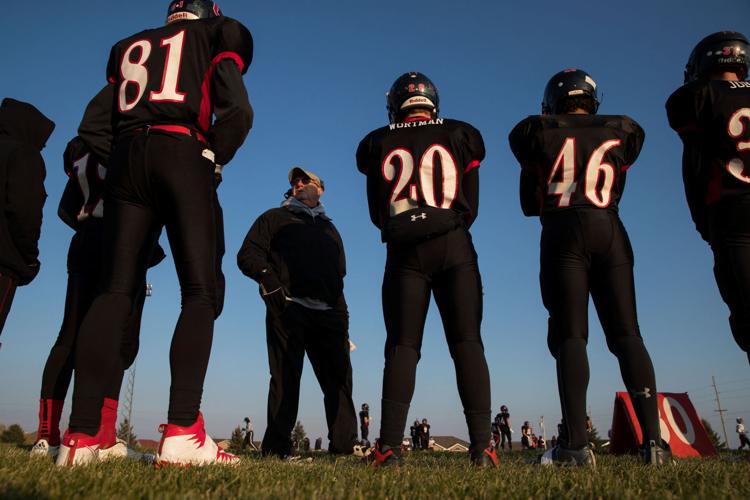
[681,426]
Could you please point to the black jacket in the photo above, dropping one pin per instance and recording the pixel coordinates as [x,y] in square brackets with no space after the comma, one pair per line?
[303,254]
[24,130]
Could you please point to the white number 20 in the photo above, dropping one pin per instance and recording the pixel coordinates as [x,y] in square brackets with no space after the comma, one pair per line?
[400,201]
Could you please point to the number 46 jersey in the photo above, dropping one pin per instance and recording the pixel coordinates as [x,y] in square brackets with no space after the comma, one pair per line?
[165,75]
[422,176]
[572,161]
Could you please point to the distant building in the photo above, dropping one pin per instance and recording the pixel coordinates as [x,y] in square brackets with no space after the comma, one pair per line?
[447,443]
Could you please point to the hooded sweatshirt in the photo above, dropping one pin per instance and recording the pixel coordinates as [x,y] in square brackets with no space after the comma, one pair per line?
[24,130]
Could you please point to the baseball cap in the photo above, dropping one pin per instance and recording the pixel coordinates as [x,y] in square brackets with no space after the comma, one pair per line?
[301,172]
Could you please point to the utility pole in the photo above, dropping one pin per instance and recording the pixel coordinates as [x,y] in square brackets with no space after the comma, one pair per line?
[129,401]
[720,411]
[131,383]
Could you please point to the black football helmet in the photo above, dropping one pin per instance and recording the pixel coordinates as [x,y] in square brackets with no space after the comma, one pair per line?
[411,90]
[180,10]
[723,50]
[568,83]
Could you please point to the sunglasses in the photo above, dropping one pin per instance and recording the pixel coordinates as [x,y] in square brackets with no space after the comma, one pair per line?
[305,181]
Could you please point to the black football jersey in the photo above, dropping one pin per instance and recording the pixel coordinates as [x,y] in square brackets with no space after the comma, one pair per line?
[422,163]
[82,197]
[713,120]
[163,75]
[575,160]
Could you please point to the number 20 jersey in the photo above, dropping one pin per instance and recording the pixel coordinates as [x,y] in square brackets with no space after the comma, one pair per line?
[421,163]
[578,160]
[163,75]
[713,119]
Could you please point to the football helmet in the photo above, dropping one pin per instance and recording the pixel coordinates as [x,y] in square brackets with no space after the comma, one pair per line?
[411,90]
[723,50]
[568,83]
[179,10]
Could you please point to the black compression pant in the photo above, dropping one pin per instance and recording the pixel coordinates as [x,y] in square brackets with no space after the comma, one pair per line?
[84,273]
[154,180]
[445,266]
[588,251]
[730,242]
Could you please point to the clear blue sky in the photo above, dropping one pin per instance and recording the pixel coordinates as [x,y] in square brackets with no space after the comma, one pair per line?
[317,84]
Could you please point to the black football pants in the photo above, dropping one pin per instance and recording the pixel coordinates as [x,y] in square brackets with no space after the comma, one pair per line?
[730,242]
[324,336]
[154,180]
[84,274]
[7,292]
[445,266]
[588,251]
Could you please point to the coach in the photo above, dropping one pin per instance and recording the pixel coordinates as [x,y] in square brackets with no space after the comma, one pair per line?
[24,130]
[296,255]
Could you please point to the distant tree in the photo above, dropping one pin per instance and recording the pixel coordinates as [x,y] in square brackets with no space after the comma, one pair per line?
[298,433]
[713,437]
[125,432]
[593,436]
[236,441]
[13,434]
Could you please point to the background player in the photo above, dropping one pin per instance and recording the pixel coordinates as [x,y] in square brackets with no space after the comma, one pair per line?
[423,193]
[504,427]
[711,113]
[364,424]
[166,86]
[573,173]
[81,207]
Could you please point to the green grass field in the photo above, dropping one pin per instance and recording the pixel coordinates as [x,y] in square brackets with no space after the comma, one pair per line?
[425,475]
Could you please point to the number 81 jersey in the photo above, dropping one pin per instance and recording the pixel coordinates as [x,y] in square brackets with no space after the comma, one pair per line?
[422,163]
[164,75]
[577,160]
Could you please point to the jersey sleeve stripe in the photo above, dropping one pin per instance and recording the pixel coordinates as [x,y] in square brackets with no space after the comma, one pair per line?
[471,166]
[234,56]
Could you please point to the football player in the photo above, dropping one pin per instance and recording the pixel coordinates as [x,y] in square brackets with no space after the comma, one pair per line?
[364,423]
[423,193]
[711,113]
[81,208]
[166,86]
[573,165]
[502,421]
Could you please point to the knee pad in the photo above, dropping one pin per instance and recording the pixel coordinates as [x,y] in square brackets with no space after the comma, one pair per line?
[467,351]
[621,346]
[402,352]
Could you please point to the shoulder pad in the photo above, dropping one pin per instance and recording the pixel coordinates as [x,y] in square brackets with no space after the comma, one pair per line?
[234,41]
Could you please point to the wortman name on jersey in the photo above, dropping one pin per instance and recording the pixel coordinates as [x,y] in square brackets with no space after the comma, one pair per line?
[421,123]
